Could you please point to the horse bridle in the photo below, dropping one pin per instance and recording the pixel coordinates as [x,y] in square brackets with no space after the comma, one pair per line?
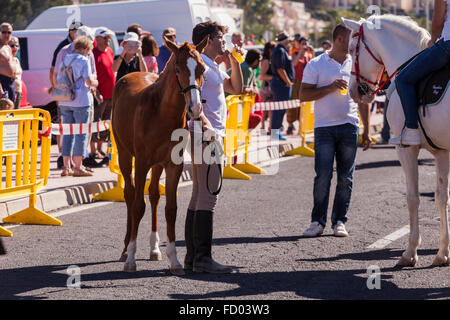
[363,87]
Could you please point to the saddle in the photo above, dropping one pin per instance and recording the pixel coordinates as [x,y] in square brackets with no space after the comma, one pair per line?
[432,88]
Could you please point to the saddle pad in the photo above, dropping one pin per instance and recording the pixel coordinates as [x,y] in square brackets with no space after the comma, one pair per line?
[433,88]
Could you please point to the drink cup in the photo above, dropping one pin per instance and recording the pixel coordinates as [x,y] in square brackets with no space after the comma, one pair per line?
[345,91]
[237,55]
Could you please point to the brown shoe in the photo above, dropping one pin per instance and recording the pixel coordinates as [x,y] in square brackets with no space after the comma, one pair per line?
[66,172]
[81,173]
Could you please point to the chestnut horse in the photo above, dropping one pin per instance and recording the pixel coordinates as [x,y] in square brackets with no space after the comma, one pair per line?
[144,115]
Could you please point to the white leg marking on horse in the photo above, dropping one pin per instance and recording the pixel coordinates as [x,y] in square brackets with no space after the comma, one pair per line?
[175,265]
[155,253]
[130,264]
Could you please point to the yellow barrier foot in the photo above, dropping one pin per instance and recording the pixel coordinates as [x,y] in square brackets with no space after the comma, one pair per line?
[311,145]
[301,151]
[114,194]
[230,172]
[5,232]
[249,168]
[32,216]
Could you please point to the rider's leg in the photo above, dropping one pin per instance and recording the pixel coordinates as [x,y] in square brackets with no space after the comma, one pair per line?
[431,59]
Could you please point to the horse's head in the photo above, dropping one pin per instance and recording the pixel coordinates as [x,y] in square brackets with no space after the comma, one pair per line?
[368,68]
[189,69]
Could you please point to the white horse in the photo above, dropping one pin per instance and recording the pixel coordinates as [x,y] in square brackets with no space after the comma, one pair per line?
[393,40]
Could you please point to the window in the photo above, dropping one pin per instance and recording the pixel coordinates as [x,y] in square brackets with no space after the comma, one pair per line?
[22,54]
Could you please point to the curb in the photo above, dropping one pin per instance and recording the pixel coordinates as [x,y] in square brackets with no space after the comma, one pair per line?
[51,201]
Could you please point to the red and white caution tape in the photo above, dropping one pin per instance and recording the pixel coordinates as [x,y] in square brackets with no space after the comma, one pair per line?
[62,129]
[276,105]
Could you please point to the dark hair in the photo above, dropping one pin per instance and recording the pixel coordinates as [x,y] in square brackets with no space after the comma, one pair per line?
[299,40]
[340,30]
[149,46]
[134,28]
[204,29]
[252,55]
[326,42]
[267,47]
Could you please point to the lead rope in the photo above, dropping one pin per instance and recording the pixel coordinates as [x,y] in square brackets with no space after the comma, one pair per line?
[219,167]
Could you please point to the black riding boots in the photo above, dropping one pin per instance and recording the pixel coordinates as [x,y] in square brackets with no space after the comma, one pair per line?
[198,247]
[189,239]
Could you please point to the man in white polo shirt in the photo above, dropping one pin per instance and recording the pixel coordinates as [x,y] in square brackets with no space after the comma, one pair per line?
[325,81]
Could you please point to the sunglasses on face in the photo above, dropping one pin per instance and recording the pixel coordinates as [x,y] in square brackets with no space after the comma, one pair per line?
[14,46]
[171,37]
[6,32]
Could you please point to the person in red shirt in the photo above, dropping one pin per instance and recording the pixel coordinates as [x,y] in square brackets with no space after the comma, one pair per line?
[104,59]
[300,58]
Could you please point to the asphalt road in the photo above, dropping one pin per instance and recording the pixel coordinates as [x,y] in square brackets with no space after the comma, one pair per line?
[258,230]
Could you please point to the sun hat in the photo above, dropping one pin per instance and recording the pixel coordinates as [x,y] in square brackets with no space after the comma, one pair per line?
[103,32]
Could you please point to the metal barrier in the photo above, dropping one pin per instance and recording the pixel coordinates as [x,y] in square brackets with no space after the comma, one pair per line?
[117,193]
[19,140]
[238,138]
[306,127]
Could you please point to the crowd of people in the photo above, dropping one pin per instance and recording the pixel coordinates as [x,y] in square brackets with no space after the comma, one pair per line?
[96,68]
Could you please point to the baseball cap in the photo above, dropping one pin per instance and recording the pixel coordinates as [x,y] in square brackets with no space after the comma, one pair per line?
[75,25]
[103,32]
[131,36]
[85,31]
[169,32]
[281,36]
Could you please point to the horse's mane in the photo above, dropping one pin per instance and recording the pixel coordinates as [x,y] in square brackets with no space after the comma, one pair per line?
[405,26]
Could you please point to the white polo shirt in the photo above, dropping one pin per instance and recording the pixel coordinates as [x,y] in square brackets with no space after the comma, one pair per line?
[215,108]
[334,109]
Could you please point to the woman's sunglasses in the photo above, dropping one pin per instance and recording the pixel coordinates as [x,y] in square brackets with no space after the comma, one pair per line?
[6,32]
[14,46]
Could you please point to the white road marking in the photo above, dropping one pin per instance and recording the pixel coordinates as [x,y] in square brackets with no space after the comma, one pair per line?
[384,242]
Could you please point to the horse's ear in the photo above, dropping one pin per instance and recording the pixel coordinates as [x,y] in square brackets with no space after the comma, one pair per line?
[171,45]
[202,44]
[353,25]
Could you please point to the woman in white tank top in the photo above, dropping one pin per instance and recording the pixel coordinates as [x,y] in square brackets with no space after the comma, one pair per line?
[432,59]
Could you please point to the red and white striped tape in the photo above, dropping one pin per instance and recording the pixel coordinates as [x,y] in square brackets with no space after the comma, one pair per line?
[62,129]
[276,105]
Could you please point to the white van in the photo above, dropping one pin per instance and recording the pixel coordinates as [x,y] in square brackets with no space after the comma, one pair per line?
[35,55]
[152,15]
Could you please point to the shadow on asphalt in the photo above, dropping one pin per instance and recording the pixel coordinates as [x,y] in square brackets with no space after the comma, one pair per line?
[15,282]
[310,284]
[390,163]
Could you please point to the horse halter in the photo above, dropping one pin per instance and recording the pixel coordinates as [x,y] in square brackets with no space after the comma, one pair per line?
[363,87]
[187,89]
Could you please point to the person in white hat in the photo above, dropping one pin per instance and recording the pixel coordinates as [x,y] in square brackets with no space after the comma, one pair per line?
[131,59]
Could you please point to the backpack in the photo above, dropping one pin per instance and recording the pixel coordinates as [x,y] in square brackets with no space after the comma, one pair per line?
[64,89]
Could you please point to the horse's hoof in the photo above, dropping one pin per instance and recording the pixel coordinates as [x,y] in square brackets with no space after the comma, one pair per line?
[403,262]
[441,261]
[155,256]
[129,267]
[177,271]
[123,257]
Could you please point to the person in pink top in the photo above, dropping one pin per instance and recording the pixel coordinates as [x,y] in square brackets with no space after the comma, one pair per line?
[150,51]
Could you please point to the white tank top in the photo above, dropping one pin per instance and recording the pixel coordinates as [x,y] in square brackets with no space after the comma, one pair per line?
[446,31]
